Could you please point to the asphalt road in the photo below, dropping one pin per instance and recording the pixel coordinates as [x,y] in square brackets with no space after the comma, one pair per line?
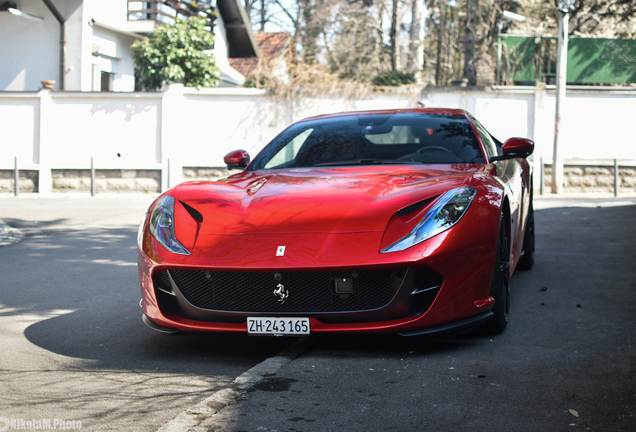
[566,362]
[73,346]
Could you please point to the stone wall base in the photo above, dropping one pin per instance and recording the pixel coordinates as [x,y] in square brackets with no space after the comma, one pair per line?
[206,173]
[576,179]
[28,181]
[593,179]
[69,180]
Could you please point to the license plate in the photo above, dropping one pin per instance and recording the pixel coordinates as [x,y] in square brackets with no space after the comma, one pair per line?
[278,326]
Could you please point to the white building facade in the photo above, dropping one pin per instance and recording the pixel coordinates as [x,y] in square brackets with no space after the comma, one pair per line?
[96,36]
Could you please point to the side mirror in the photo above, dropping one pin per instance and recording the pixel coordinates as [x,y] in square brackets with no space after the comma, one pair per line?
[237,159]
[515,148]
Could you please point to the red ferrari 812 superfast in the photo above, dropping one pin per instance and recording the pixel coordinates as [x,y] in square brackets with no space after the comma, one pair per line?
[403,221]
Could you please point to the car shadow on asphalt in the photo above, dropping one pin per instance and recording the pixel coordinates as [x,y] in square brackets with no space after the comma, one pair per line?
[102,320]
[129,344]
[79,289]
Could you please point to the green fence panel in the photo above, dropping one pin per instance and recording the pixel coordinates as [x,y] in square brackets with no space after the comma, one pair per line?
[590,60]
[518,62]
[601,61]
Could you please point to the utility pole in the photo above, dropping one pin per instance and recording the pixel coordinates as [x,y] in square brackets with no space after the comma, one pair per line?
[565,7]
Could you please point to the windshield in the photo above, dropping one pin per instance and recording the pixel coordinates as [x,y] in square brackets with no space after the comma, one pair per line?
[401,138]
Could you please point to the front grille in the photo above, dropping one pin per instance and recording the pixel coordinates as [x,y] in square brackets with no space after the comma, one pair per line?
[309,292]
[162,282]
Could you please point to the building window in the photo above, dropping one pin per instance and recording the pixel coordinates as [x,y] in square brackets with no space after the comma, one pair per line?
[107,81]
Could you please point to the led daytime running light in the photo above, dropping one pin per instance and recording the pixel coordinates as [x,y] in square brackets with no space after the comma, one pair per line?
[446,212]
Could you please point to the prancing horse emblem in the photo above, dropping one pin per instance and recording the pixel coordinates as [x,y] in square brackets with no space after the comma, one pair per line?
[281,293]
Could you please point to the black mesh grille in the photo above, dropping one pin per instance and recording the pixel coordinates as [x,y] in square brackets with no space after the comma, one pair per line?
[308,291]
[162,282]
[427,284]
[428,279]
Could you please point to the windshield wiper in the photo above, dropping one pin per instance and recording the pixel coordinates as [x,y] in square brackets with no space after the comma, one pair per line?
[367,162]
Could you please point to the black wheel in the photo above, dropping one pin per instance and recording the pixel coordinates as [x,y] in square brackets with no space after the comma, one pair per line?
[527,252]
[500,285]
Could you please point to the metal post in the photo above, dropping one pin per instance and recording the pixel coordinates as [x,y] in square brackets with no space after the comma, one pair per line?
[562,67]
[542,175]
[499,28]
[168,173]
[16,177]
[616,178]
[92,178]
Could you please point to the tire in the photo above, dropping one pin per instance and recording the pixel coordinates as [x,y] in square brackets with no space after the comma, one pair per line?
[500,285]
[527,252]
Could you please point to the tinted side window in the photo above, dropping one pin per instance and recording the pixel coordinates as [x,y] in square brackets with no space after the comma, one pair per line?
[491,148]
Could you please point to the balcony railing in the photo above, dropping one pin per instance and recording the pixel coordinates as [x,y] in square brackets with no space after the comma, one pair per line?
[165,11]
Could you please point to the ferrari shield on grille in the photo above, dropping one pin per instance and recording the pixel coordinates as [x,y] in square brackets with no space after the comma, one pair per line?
[281,293]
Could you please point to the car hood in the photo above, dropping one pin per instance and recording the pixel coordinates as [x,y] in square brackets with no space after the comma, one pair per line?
[334,200]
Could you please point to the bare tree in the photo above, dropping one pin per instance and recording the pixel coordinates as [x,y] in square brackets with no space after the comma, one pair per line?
[248,5]
[591,18]
[355,47]
[314,14]
[470,34]
[394,35]
[416,45]
[359,39]
[263,14]
[441,35]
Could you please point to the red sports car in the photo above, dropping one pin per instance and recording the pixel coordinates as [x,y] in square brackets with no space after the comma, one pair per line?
[405,221]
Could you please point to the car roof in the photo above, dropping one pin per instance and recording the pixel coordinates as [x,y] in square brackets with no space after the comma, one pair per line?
[450,111]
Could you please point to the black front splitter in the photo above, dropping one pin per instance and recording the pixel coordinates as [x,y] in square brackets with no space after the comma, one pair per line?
[157,327]
[452,327]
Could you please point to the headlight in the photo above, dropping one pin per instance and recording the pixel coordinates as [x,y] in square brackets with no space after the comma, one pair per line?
[162,226]
[445,213]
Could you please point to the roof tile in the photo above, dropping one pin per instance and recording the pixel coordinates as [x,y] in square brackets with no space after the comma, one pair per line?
[272,47]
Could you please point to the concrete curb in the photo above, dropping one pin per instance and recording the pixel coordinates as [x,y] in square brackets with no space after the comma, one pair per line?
[198,417]
[9,235]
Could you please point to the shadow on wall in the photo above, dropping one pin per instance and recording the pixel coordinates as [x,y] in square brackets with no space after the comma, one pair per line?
[127,110]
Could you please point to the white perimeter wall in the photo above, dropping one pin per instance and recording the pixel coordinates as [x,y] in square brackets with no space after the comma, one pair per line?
[596,124]
[63,130]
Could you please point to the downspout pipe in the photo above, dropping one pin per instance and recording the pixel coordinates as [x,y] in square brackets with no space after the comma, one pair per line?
[62,22]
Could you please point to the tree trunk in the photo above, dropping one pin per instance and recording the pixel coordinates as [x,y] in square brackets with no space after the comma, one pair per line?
[312,13]
[381,52]
[418,19]
[469,41]
[394,36]
[440,41]
[263,14]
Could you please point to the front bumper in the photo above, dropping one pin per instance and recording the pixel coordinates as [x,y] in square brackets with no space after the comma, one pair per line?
[438,283]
